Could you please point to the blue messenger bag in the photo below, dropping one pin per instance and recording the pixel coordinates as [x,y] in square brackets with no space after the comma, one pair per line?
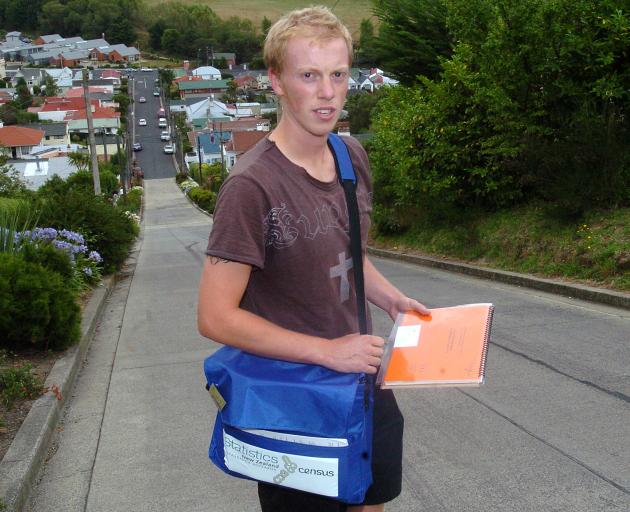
[296,425]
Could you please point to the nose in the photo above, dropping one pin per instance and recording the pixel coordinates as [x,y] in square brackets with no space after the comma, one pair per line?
[326,89]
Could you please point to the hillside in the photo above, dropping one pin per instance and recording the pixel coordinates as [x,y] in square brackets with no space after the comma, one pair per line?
[350,11]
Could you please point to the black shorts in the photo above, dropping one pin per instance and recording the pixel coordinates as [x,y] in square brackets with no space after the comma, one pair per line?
[386,467]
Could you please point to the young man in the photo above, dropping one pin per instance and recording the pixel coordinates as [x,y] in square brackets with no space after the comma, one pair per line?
[278,278]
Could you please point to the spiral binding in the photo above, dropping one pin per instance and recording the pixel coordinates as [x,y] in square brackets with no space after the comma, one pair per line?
[486,341]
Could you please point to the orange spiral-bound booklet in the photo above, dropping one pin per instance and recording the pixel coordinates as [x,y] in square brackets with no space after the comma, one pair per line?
[448,348]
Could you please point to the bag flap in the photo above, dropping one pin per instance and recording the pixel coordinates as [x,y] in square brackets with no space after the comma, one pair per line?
[271,394]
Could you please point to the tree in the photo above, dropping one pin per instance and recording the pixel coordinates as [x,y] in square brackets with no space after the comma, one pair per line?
[10,183]
[360,108]
[265,25]
[412,37]
[24,98]
[366,52]
[231,94]
[155,34]
[50,86]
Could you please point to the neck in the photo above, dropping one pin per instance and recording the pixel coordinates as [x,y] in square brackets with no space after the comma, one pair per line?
[308,151]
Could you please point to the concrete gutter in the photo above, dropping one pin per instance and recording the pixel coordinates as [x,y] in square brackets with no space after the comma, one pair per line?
[573,290]
[21,464]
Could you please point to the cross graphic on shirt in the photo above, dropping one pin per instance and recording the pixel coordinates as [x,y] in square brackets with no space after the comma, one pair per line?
[341,271]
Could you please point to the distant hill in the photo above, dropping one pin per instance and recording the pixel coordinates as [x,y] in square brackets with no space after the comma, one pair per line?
[351,12]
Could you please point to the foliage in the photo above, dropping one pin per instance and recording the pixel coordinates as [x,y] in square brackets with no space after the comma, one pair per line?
[531,239]
[67,205]
[91,18]
[205,199]
[50,86]
[184,30]
[132,202]
[211,175]
[15,217]
[37,309]
[62,251]
[360,108]
[17,382]
[10,182]
[547,120]
[411,39]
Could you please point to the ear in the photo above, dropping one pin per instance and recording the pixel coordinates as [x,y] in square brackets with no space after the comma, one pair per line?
[275,80]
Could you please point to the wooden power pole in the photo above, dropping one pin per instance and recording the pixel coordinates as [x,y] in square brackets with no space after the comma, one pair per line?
[91,138]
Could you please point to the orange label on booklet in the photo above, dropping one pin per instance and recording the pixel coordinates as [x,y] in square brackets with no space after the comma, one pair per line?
[448,348]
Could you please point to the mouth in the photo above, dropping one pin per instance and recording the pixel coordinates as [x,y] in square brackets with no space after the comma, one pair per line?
[325,112]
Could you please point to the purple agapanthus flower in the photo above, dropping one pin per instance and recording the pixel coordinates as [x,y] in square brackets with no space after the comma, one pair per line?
[95,256]
[72,236]
[46,234]
[87,271]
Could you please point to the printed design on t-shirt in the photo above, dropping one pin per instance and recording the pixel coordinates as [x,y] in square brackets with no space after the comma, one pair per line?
[341,270]
[282,229]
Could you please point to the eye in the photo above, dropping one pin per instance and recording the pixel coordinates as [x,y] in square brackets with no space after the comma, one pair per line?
[339,75]
[307,75]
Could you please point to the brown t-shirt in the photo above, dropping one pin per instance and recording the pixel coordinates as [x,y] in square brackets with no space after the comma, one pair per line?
[294,231]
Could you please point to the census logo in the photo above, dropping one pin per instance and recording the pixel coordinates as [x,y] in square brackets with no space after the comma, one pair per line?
[311,474]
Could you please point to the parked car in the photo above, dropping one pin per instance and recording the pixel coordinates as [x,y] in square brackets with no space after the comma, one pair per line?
[162,122]
[169,149]
[156,93]
[142,122]
[142,99]
[137,146]
[165,136]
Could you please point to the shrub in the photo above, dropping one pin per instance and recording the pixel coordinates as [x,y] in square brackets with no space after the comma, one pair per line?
[37,309]
[108,229]
[131,202]
[205,199]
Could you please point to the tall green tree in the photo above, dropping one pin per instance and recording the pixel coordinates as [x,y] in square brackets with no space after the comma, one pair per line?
[50,86]
[412,37]
[24,98]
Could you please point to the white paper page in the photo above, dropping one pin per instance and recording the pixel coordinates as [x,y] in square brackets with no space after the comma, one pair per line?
[295,438]
[407,336]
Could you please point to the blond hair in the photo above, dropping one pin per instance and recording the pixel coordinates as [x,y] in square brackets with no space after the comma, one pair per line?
[317,22]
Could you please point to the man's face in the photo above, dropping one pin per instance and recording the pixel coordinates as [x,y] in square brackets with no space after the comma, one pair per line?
[313,84]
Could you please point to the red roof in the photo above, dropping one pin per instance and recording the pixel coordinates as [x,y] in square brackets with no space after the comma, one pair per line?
[76,92]
[15,136]
[56,104]
[97,113]
[242,141]
[110,73]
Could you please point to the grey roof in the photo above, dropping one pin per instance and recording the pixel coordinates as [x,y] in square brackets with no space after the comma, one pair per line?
[14,34]
[92,43]
[75,54]
[30,73]
[125,50]
[50,129]
[49,38]
[35,176]
[72,40]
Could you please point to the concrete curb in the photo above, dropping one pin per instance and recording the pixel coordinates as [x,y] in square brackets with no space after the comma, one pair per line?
[572,290]
[21,464]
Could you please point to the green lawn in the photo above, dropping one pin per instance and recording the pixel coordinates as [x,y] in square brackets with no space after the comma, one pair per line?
[351,12]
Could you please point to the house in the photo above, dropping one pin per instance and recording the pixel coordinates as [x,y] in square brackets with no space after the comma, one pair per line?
[208,109]
[376,80]
[201,88]
[62,78]
[246,82]
[207,73]
[72,58]
[33,77]
[55,134]
[105,120]
[122,53]
[34,173]
[56,108]
[240,143]
[18,141]
[210,143]
[50,38]
[13,38]
[6,95]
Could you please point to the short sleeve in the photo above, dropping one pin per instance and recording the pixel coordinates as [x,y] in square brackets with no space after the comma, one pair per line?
[238,232]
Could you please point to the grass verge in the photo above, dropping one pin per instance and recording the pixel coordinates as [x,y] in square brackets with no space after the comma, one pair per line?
[594,249]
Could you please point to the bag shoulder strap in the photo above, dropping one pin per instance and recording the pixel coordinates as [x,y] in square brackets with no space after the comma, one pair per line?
[348,179]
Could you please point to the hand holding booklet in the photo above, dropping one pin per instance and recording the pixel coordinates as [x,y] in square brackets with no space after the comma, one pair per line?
[448,348]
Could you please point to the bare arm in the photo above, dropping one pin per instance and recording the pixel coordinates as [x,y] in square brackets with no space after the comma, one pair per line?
[220,318]
[380,292]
